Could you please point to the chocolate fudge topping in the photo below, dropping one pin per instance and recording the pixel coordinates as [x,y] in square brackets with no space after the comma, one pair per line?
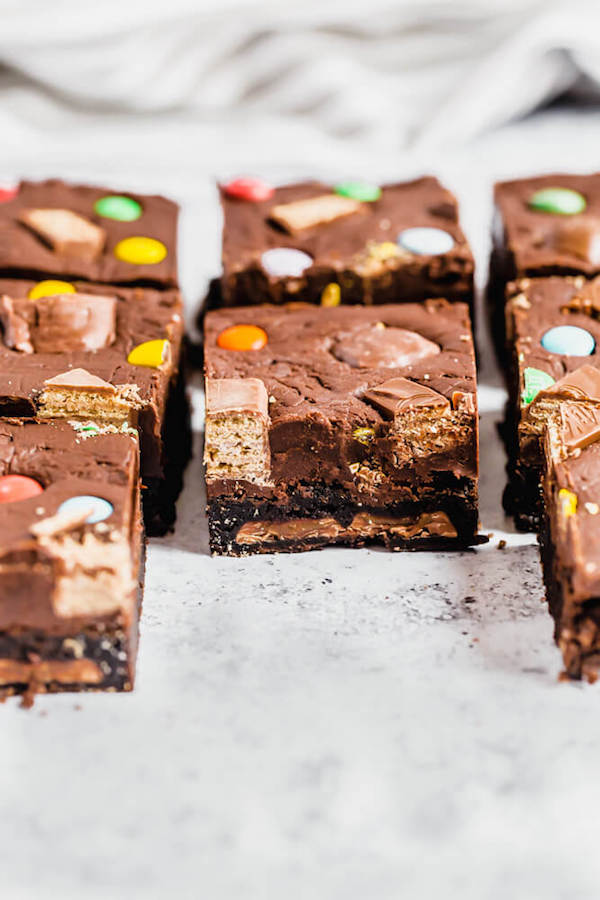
[52,228]
[348,243]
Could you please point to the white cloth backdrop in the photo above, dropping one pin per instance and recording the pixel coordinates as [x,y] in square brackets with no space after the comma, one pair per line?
[405,72]
[167,96]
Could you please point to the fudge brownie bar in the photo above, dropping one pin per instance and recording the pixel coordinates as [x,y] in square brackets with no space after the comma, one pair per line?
[52,228]
[347,243]
[547,225]
[570,536]
[99,353]
[71,558]
[341,426]
[553,329]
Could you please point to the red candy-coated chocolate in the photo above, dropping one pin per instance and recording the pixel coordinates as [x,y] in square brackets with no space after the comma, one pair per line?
[18,487]
[252,189]
[7,193]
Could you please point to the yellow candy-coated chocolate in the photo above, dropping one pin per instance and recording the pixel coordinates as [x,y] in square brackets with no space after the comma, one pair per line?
[568,502]
[383,251]
[332,295]
[363,434]
[140,251]
[50,288]
[151,354]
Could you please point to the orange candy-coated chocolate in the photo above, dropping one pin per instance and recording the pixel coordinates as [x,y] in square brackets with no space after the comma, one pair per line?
[242,337]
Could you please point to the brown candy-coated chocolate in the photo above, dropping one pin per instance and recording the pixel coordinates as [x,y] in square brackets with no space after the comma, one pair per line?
[383,347]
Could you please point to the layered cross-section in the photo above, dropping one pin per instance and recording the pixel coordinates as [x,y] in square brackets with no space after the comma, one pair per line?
[106,358]
[71,558]
[341,426]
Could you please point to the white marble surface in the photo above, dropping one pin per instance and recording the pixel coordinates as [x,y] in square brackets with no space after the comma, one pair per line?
[340,724]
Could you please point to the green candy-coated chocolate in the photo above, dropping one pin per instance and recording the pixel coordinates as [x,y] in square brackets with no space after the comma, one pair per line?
[560,201]
[535,381]
[358,190]
[123,209]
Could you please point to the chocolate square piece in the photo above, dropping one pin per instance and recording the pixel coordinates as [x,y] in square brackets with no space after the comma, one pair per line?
[570,533]
[108,358]
[553,332]
[71,558]
[346,243]
[345,426]
[50,228]
[545,225]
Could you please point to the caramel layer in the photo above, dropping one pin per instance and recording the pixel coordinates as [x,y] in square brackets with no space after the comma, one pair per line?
[363,525]
[76,671]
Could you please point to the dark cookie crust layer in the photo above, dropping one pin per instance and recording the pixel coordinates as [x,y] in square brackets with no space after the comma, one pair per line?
[321,504]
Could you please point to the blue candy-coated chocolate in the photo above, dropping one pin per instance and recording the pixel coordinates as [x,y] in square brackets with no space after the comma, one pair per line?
[569,340]
[99,509]
[425,241]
